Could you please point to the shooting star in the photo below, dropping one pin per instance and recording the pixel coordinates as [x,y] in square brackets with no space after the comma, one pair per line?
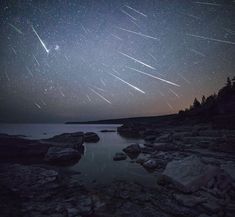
[125,82]
[128,15]
[116,37]
[172,91]
[7,76]
[197,52]
[42,43]
[37,105]
[14,51]
[36,60]
[138,33]
[16,29]
[102,81]
[153,76]
[185,79]
[212,39]
[136,11]
[88,98]
[29,71]
[169,105]
[102,97]
[142,63]
[207,3]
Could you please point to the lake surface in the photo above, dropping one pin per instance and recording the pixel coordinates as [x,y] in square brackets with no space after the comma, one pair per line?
[96,165]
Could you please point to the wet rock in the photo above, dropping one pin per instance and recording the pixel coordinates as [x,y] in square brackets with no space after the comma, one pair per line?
[17,150]
[67,138]
[119,156]
[150,138]
[26,179]
[131,130]
[58,155]
[132,149]
[91,137]
[165,138]
[189,200]
[150,164]
[229,168]
[85,205]
[166,147]
[189,174]
[107,131]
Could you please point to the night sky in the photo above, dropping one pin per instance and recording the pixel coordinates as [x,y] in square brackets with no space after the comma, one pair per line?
[84,60]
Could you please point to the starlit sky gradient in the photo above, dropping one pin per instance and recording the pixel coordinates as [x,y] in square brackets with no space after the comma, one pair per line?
[67,60]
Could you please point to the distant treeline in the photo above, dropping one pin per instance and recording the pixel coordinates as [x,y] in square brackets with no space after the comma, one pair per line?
[222,103]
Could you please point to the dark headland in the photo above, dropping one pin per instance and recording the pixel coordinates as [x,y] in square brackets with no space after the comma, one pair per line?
[191,154]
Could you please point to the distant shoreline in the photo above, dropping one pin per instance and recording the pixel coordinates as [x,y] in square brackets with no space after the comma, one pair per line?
[148,119]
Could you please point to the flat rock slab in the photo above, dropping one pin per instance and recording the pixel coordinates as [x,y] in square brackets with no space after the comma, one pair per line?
[190,173]
[60,155]
[26,178]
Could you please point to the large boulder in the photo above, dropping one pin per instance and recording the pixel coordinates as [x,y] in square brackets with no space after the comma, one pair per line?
[91,137]
[16,149]
[189,174]
[68,138]
[62,156]
[132,149]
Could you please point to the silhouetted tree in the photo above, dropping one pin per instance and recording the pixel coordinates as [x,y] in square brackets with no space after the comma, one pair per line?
[229,83]
[233,80]
[196,103]
[203,100]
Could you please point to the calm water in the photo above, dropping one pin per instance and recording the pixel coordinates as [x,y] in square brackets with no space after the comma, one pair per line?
[97,163]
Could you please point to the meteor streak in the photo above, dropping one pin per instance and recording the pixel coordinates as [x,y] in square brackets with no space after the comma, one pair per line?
[172,91]
[15,28]
[207,3]
[100,95]
[128,15]
[136,11]
[125,82]
[37,105]
[212,39]
[42,43]
[138,33]
[153,76]
[137,60]
[197,52]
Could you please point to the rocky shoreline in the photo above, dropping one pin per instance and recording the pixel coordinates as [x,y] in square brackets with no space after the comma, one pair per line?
[194,168]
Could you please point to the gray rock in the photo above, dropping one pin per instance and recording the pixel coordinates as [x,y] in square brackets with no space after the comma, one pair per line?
[150,164]
[85,205]
[189,200]
[132,149]
[229,168]
[119,156]
[77,138]
[25,179]
[91,137]
[189,174]
[60,155]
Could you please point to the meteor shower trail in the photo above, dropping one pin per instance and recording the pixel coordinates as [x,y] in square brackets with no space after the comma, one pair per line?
[136,11]
[138,33]
[102,97]
[212,39]
[125,82]
[153,76]
[138,61]
[41,41]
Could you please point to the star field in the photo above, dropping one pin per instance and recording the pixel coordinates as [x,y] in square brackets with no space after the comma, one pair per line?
[87,59]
